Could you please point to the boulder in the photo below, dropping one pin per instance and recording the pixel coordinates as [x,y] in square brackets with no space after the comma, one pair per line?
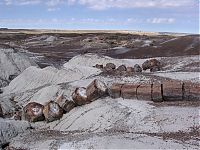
[144,92]
[110,66]
[137,68]
[115,90]
[79,96]
[172,90]
[95,90]
[129,91]
[130,69]
[191,91]
[17,115]
[52,111]
[1,112]
[149,64]
[157,92]
[33,112]
[122,68]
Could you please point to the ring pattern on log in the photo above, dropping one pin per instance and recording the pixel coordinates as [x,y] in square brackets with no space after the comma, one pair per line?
[157,92]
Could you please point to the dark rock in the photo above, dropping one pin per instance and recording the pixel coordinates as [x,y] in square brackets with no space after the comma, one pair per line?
[110,66]
[149,64]
[99,66]
[121,68]
[155,68]
[137,68]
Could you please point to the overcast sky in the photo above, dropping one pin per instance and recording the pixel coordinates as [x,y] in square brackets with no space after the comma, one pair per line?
[145,15]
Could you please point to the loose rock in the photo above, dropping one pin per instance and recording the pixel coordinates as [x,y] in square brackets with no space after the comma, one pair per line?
[110,66]
[130,69]
[33,112]
[149,64]
[52,111]
[121,68]
[137,68]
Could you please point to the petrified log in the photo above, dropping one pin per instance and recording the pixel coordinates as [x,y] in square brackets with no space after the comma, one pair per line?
[115,90]
[79,96]
[144,92]
[65,104]
[129,91]
[156,93]
[52,111]
[172,90]
[191,91]
[155,68]
[33,112]
[95,90]
[1,112]
[137,68]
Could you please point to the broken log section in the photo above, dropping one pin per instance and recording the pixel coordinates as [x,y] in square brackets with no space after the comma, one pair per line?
[157,92]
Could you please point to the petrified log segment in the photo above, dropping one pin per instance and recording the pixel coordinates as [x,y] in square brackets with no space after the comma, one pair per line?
[1,112]
[99,66]
[52,111]
[33,112]
[172,90]
[115,90]
[79,96]
[65,104]
[95,90]
[156,92]
[129,91]
[191,91]
[144,92]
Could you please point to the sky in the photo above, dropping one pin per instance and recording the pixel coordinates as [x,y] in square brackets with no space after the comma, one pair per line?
[143,15]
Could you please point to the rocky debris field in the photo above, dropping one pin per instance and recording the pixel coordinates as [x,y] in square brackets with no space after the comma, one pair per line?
[93,101]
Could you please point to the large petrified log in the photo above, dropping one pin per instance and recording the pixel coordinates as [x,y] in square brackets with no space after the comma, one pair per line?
[144,91]
[79,96]
[95,90]
[172,90]
[157,92]
[191,91]
[52,111]
[129,91]
[115,90]
[33,112]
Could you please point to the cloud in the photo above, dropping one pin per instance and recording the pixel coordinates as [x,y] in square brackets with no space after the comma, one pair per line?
[21,2]
[106,4]
[161,20]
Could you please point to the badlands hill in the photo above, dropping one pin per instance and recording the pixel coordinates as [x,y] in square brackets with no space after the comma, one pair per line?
[39,67]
